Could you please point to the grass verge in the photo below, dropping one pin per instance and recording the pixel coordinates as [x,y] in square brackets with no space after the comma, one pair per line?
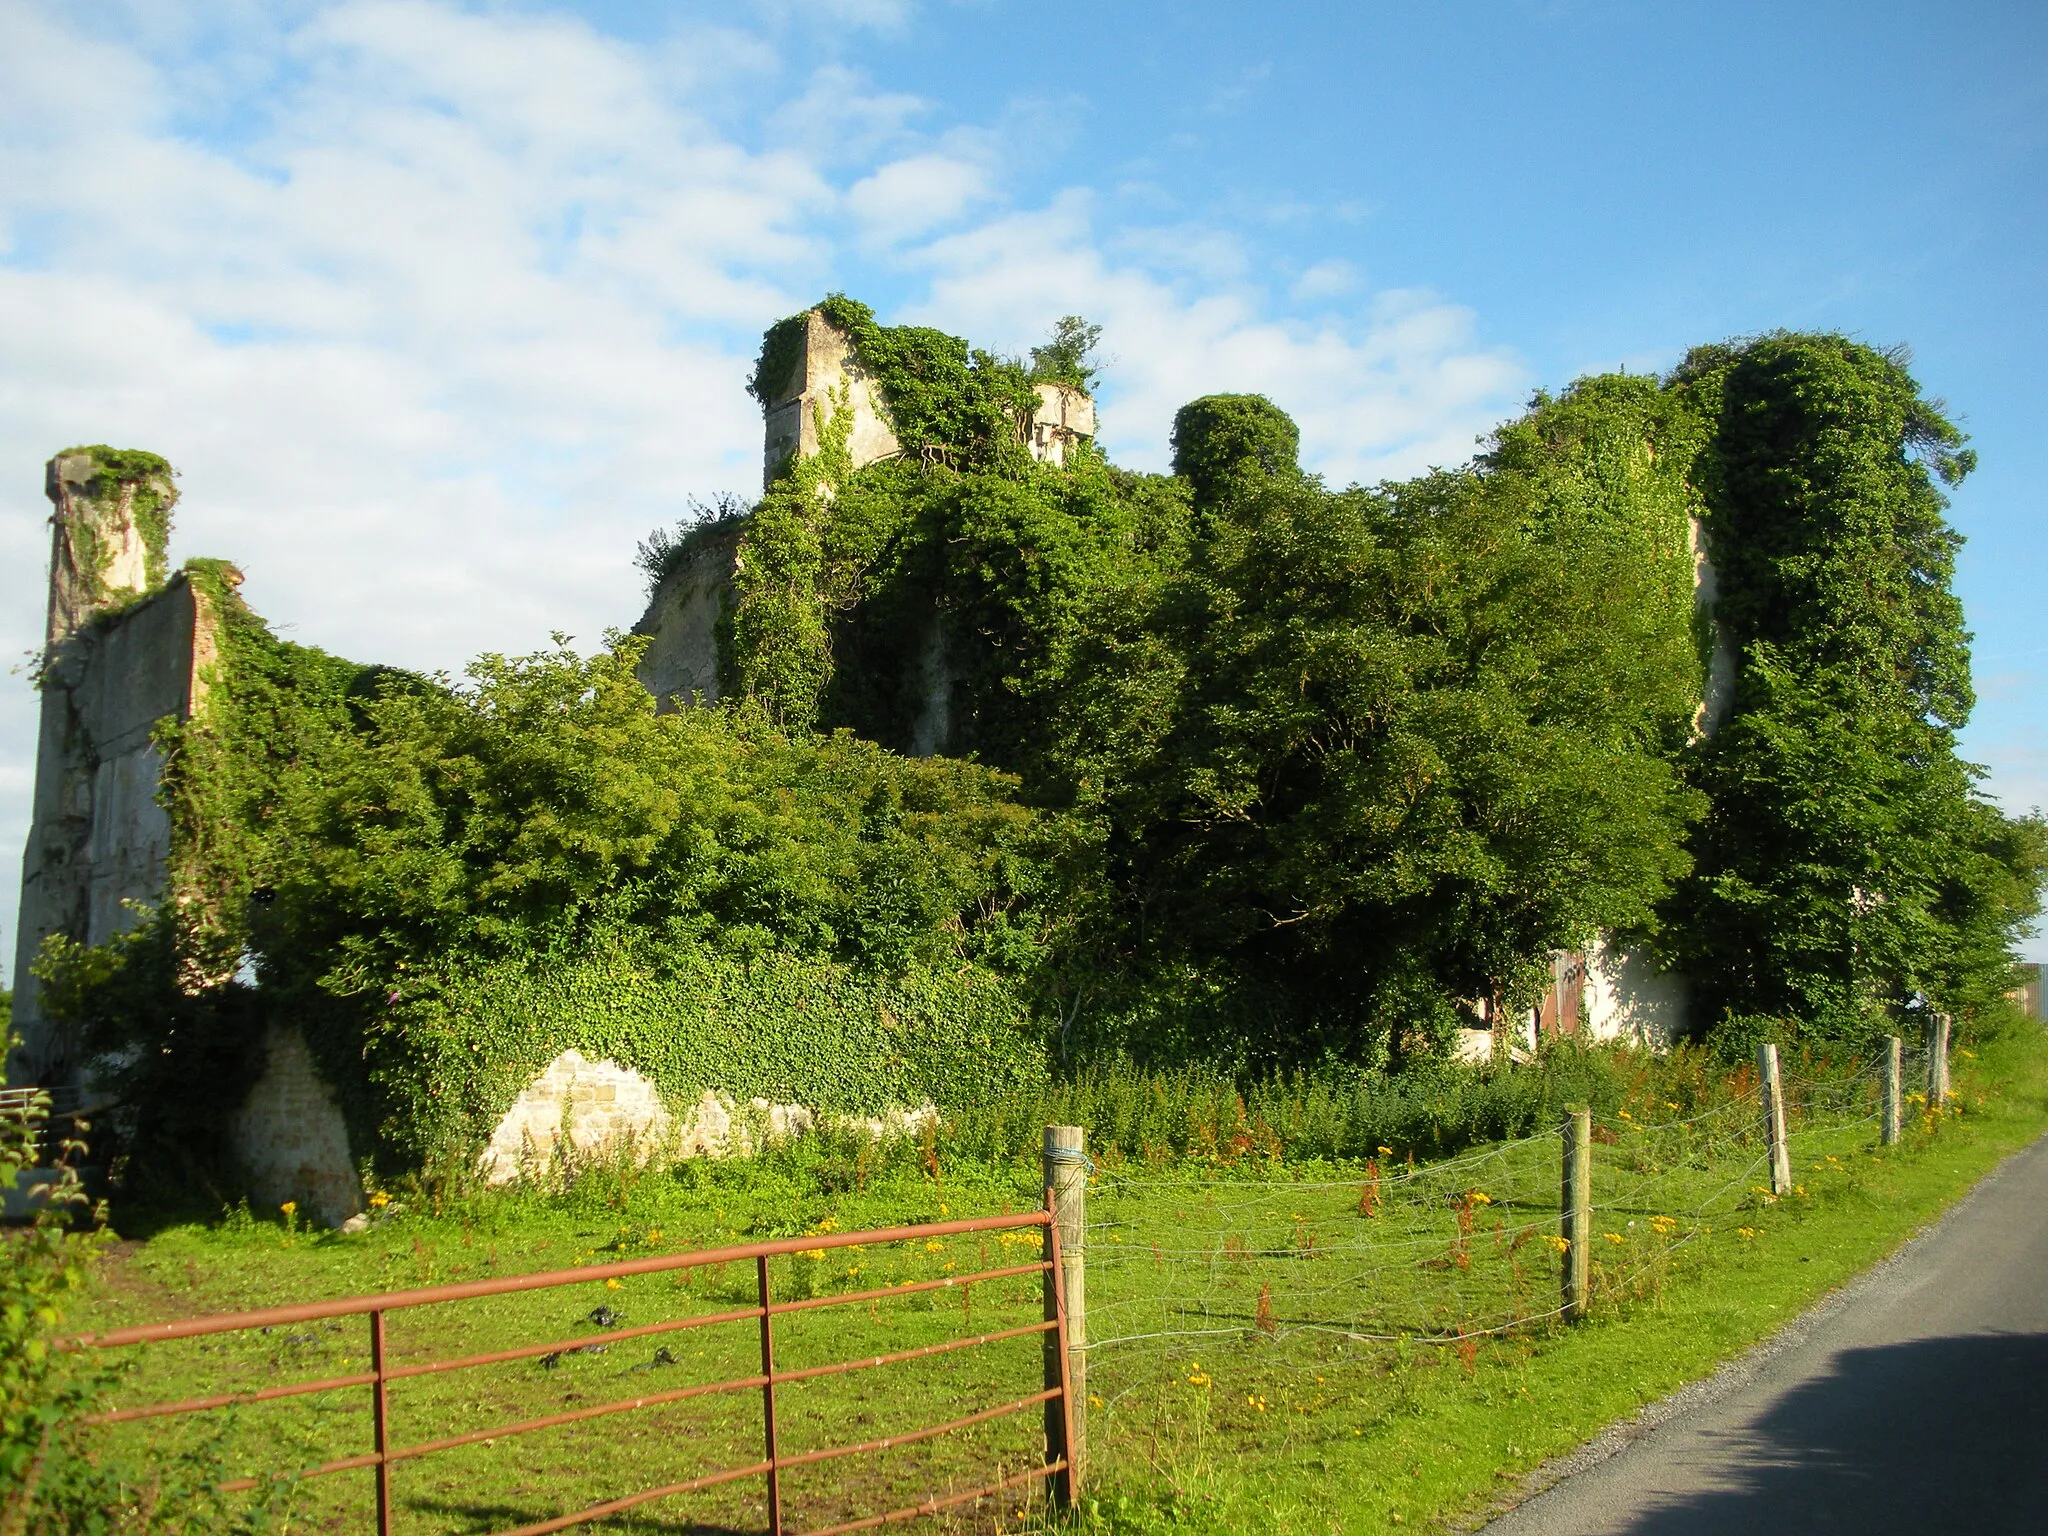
[1298,1356]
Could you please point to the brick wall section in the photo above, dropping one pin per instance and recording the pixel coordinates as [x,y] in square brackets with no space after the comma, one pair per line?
[291,1139]
[600,1106]
[599,1109]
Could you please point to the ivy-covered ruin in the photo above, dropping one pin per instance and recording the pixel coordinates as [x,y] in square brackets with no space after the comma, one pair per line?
[963,756]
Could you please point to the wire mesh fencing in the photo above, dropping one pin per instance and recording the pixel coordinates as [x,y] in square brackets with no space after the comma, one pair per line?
[1322,1291]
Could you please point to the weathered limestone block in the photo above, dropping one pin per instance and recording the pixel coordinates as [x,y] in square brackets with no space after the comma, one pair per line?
[117,663]
[290,1138]
[98,555]
[600,1109]
[591,1109]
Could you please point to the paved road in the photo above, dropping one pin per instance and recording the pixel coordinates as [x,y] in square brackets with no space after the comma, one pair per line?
[1917,1402]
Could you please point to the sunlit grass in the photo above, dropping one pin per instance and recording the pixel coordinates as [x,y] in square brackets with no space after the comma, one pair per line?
[1362,1345]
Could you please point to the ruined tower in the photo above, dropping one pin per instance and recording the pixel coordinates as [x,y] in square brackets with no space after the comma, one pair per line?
[826,376]
[127,645]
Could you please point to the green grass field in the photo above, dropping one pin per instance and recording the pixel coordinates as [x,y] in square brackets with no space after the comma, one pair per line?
[1308,1347]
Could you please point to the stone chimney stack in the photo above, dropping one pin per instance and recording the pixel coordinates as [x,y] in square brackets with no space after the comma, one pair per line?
[109,534]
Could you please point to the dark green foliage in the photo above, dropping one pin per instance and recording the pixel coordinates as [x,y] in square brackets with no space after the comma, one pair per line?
[1849,862]
[1408,753]
[782,348]
[1219,437]
[420,871]
[464,1037]
[978,590]
[1247,778]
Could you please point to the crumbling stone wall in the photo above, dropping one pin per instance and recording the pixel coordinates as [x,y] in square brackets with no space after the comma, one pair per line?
[290,1139]
[681,663]
[590,1109]
[579,1110]
[827,371]
[120,659]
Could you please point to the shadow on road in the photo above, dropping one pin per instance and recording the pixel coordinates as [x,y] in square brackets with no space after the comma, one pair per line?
[1939,1435]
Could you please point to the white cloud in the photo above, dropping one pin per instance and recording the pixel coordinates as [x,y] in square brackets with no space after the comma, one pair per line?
[876,15]
[910,197]
[1326,280]
[439,310]
[1248,81]
[1391,389]
[840,119]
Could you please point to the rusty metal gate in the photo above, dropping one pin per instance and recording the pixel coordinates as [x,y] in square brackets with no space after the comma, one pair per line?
[1055,1395]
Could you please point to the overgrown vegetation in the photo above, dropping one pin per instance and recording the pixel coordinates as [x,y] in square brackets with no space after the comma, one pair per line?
[44,1267]
[1240,1427]
[1027,769]
[1849,863]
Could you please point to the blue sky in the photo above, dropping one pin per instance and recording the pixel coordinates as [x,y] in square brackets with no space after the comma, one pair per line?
[440,307]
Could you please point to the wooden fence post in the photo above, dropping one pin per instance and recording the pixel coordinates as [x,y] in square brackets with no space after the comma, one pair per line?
[1066,1419]
[1937,1061]
[1772,1086]
[1894,1089]
[1576,1207]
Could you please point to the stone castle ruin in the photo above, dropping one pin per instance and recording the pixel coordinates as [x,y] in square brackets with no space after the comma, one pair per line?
[132,645]
[825,378]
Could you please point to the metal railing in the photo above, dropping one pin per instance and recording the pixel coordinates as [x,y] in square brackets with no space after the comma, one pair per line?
[1056,1394]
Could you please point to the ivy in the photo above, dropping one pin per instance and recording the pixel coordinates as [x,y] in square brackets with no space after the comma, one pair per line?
[1220,437]
[463,1040]
[1240,767]
[782,348]
[418,871]
[1849,865]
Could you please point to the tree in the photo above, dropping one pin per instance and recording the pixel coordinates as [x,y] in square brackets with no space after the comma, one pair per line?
[1067,357]
[1849,863]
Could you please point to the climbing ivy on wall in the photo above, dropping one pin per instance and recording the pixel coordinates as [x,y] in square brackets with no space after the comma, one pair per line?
[459,1043]
[1237,765]
[412,864]
[1849,863]
[949,403]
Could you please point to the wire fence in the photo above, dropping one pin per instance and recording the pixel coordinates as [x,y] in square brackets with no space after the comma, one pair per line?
[1440,1254]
